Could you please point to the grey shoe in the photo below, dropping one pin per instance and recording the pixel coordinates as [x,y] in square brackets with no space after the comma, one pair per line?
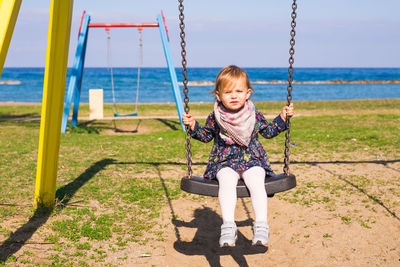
[261,233]
[228,235]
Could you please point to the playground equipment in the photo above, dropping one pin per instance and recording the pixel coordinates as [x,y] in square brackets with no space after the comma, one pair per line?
[74,88]
[273,184]
[53,89]
[8,16]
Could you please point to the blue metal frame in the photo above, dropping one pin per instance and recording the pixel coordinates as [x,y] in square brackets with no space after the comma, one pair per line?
[75,82]
[171,69]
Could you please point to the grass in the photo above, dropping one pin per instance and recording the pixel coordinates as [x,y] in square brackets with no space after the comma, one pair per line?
[112,185]
[381,106]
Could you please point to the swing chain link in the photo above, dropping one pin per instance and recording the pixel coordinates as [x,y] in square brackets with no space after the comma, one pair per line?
[289,87]
[185,87]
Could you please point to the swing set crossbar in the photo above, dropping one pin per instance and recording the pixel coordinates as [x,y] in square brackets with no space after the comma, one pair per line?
[121,25]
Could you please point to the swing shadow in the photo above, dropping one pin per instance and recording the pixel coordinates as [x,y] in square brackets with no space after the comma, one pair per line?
[206,239]
[361,190]
[63,196]
[8,116]
[117,130]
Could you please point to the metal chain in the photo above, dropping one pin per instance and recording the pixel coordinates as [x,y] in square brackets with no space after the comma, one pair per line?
[289,87]
[185,88]
[110,67]
[140,64]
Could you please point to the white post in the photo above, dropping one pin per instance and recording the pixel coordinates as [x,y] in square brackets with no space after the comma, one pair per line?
[96,104]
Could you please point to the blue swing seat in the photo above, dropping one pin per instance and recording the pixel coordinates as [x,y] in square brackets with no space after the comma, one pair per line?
[125,115]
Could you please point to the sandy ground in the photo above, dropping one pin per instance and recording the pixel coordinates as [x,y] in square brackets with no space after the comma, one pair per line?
[301,235]
[340,214]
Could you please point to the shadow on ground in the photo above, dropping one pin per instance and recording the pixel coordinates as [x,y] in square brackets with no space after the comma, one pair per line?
[206,240]
[205,219]
[120,130]
[63,196]
[27,116]
[173,125]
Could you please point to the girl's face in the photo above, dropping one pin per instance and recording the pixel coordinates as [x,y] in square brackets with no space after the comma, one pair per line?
[234,94]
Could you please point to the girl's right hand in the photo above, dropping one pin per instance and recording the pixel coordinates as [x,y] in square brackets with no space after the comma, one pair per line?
[187,119]
[287,111]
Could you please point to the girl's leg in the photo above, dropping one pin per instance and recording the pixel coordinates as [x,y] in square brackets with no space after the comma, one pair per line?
[254,179]
[227,179]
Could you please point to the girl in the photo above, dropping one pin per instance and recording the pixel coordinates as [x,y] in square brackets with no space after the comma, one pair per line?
[237,153]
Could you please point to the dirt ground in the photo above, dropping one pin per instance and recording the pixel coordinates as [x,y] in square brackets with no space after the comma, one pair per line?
[358,226]
[342,213]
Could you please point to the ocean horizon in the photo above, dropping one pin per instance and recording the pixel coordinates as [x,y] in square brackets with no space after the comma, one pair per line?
[26,84]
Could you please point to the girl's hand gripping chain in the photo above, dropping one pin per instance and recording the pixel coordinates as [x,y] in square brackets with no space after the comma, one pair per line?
[287,111]
[187,119]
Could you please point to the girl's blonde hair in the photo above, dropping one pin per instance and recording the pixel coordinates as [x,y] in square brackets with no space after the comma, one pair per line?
[229,74]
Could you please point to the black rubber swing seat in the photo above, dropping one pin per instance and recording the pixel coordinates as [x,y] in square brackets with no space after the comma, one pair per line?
[207,187]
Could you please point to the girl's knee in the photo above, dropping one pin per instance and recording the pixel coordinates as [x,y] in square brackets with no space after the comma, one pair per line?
[254,177]
[255,173]
[227,178]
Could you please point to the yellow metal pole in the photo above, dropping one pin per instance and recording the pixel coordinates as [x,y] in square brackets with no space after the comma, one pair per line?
[53,101]
[8,16]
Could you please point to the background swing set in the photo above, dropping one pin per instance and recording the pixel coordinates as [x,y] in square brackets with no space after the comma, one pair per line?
[75,84]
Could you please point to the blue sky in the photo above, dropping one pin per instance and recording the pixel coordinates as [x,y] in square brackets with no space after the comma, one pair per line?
[252,33]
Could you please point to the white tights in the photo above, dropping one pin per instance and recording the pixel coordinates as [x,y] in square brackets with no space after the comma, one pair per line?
[254,180]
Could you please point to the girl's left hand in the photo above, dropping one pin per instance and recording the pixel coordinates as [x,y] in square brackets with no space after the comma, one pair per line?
[287,111]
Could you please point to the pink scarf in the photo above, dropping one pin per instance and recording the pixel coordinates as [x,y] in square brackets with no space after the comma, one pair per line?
[236,127]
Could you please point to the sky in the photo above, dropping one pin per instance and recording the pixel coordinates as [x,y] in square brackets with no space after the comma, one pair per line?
[252,33]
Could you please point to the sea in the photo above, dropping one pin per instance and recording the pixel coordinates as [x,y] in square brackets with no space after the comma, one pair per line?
[270,84]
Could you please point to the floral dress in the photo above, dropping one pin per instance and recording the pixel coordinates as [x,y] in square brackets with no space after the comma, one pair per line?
[239,158]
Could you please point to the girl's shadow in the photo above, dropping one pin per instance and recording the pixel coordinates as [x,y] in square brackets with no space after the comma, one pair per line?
[205,241]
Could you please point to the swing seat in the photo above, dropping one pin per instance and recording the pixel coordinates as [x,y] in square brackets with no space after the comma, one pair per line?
[207,187]
[125,115]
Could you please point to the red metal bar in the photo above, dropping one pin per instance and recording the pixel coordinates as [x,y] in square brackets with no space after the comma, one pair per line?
[80,25]
[165,24]
[112,25]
